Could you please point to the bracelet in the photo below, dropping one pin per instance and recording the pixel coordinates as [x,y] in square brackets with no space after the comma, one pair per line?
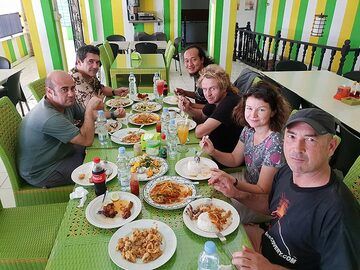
[236,182]
[112,115]
[113,92]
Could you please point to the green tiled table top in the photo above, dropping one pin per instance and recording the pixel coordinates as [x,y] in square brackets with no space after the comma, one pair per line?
[79,245]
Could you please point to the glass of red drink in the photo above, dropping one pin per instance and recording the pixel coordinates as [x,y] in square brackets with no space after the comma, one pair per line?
[160,86]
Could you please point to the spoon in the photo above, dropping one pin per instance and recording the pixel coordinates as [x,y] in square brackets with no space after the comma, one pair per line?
[137,131]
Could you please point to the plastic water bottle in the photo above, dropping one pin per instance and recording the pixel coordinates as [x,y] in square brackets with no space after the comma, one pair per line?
[132,85]
[165,118]
[155,79]
[123,166]
[101,128]
[208,259]
[172,140]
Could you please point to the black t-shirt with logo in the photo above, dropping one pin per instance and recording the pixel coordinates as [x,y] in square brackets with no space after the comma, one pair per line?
[313,228]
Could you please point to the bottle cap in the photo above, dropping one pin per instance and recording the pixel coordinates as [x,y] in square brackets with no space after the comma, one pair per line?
[121,150]
[165,109]
[163,136]
[96,160]
[100,112]
[210,247]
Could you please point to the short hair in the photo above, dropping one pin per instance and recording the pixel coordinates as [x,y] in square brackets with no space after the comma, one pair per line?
[271,95]
[201,53]
[217,73]
[82,51]
[49,82]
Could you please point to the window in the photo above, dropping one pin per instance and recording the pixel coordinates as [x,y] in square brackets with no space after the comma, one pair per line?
[10,24]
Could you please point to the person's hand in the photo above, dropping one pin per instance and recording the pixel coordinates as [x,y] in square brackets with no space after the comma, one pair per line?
[223,182]
[95,103]
[206,145]
[121,91]
[184,104]
[250,259]
[119,113]
[179,92]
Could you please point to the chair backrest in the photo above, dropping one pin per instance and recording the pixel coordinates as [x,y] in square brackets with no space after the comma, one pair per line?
[168,45]
[13,88]
[105,64]
[10,122]
[142,36]
[4,63]
[352,179]
[168,59]
[37,88]
[115,38]
[146,47]
[353,75]
[160,36]
[109,52]
[290,65]
[177,43]
[245,80]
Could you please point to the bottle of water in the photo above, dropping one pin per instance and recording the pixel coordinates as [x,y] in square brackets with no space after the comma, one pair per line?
[208,259]
[132,85]
[155,79]
[165,118]
[101,128]
[123,166]
[172,140]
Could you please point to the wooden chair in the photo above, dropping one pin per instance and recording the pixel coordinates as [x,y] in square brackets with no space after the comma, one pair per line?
[24,193]
[115,38]
[352,179]
[37,88]
[28,235]
[353,75]
[104,58]
[146,47]
[176,56]
[290,65]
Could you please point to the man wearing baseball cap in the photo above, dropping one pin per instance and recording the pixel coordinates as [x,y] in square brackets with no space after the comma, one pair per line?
[316,219]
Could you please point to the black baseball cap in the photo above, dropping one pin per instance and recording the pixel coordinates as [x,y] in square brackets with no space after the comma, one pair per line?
[322,122]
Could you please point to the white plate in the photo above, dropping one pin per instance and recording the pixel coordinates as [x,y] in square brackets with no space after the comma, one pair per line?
[181,167]
[110,129]
[175,109]
[150,185]
[192,226]
[86,169]
[162,170]
[100,221]
[118,135]
[131,119]
[171,100]
[192,123]
[119,102]
[168,246]
[150,97]
[144,107]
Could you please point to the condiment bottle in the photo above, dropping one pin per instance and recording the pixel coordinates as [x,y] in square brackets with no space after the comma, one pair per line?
[137,149]
[134,184]
[98,177]
[163,148]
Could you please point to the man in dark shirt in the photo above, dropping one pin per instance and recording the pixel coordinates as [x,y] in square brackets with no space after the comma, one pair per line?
[316,219]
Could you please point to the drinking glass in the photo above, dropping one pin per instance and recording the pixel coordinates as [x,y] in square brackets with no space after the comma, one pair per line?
[183,133]
[160,84]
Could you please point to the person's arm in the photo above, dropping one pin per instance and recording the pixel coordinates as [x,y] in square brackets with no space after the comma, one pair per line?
[109,92]
[86,135]
[207,127]
[118,113]
[183,92]
[187,106]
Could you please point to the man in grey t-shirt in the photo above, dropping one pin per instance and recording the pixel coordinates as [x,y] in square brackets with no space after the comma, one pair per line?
[50,146]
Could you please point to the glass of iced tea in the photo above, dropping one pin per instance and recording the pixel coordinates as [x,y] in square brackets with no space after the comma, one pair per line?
[183,133]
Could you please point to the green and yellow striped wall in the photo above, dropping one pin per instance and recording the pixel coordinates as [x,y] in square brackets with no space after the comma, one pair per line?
[295,17]
[46,36]
[15,48]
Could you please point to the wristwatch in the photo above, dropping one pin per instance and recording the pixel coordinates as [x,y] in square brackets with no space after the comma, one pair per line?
[113,92]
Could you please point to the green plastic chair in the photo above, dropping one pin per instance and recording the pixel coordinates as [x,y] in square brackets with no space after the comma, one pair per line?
[168,59]
[105,64]
[352,179]
[109,52]
[168,46]
[24,193]
[38,88]
[28,235]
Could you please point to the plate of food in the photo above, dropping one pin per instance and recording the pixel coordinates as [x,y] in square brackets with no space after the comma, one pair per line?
[144,118]
[146,106]
[111,126]
[188,168]
[148,168]
[192,123]
[143,97]
[169,192]
[118,209]
[171,100]
[142,245]
[127,136]
[82,175]
[207,216]
[119,102]
[174,109]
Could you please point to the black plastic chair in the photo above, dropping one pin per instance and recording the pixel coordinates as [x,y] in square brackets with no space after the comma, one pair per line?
[13,90]
[114,48]
[353,75]
[142,36]
[146,47]
[116,38]
[4,63]
[160,36]
[290,65]
[176,55]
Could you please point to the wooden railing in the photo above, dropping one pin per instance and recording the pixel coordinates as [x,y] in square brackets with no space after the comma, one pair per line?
[262,51]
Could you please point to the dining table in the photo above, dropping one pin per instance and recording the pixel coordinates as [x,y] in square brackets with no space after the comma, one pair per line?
[80,245]
[144,69]
[318,87]
[161,44]
[5,74]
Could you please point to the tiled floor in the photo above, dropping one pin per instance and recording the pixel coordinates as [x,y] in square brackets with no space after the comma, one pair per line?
[30,74]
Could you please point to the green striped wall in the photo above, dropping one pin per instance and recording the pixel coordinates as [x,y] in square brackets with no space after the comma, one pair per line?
[14,49]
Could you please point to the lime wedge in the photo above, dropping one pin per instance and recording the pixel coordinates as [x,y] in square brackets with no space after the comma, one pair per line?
[114,197]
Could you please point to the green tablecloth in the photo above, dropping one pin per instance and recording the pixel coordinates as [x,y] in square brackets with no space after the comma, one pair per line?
[79,245]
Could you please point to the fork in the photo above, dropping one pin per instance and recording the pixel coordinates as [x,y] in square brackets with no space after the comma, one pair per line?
[224,245]
[197,156]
